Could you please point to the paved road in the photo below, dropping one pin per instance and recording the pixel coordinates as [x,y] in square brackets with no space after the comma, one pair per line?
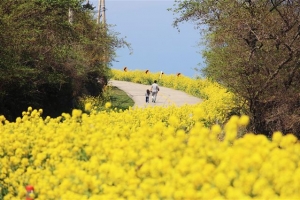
[165,97]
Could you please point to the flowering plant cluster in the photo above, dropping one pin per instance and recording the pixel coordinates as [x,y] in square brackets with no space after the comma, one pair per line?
[151,153]
[218,102]
[144,153]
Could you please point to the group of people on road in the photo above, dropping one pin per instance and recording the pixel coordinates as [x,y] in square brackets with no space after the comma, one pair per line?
[152,92]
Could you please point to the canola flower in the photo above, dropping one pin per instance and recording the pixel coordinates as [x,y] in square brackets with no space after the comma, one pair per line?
[145,153]
[218,101]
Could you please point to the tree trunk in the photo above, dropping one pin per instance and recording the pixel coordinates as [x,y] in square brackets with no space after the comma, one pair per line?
[71,16]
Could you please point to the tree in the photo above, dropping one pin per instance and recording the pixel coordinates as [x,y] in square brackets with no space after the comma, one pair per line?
[47,62]
[253,49]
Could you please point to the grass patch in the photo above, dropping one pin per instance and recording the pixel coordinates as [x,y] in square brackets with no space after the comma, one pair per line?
[119,99]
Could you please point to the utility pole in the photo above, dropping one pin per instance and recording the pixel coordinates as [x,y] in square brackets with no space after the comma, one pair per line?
[101,18]
[99,12]
[103,12]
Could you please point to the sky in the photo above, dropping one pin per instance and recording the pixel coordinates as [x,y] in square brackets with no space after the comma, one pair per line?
[156,45]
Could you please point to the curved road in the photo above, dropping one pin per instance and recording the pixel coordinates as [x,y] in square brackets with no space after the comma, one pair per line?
[165,97]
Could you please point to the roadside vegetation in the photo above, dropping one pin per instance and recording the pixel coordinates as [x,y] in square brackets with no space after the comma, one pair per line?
[239,143]
[117,99]
[50,60]
[253,49]
[146,153]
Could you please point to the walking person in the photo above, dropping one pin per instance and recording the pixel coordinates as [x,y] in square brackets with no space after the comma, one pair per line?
[154,90]
[147,94]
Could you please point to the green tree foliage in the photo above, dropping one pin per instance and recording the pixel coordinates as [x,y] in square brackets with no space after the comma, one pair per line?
[45,61]
[253,49]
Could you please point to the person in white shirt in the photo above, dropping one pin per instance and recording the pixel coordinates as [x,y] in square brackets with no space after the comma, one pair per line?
[154,91]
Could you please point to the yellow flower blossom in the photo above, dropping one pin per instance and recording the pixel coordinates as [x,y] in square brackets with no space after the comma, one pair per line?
[288,140]
[29,109]
[88,106]
[107,105]
[147,153]
[76,113]
[244,120]
[222,181]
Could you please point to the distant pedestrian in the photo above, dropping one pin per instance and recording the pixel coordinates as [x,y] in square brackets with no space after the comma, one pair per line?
[147,94]
[154,91]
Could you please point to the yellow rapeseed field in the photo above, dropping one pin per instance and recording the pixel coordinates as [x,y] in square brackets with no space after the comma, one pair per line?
[147,153]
